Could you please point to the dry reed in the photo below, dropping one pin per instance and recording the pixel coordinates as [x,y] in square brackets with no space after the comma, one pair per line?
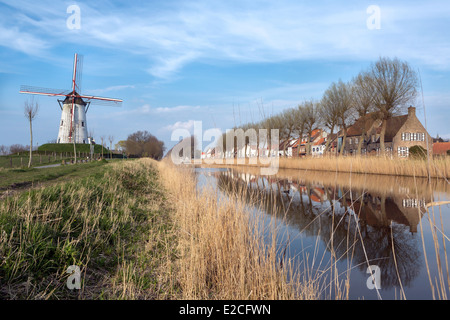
[222,252]
[439,166]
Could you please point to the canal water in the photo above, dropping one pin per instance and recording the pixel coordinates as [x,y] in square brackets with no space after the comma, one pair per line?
[380,237]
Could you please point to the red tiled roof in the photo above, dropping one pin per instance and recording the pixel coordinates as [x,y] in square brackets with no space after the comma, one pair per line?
[441,147]
[319,142]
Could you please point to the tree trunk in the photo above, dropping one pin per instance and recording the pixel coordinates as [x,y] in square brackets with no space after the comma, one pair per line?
[31,145]
[362,138]
[383,131]
[308,145]
[327,145]
[343,142]
[75,150]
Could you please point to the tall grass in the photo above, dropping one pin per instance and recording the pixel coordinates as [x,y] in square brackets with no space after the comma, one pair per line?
[439,166]
[222,251]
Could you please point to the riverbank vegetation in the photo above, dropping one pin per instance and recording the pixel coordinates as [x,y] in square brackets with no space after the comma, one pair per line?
[222,254]
[437,167]
[139,230]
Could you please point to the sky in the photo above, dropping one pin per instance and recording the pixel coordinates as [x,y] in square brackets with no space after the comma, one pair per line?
[223,63]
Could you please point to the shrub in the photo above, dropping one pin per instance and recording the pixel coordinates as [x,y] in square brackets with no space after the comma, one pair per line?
[417,152]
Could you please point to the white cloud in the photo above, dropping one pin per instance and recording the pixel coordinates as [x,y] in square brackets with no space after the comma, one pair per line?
[188,125]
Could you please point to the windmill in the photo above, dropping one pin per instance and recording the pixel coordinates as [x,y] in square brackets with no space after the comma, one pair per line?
[74,106]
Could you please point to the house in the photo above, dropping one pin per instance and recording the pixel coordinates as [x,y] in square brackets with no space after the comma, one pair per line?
[318,146]
[402,132]
[317,138]
[285,148]
[441,148]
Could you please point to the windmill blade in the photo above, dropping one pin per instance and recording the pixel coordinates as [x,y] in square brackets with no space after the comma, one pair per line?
[102,101]
[43,91]
[79,72]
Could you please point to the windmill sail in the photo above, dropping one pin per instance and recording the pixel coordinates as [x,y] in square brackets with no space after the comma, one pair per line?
[73,126]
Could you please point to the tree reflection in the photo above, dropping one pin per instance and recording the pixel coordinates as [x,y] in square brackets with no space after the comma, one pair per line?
[357,225]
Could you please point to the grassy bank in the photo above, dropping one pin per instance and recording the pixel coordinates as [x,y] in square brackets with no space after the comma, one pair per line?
[438,167]
[114,224]
[11,179]
[68,148]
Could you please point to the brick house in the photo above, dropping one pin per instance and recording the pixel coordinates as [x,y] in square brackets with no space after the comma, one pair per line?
[402,132]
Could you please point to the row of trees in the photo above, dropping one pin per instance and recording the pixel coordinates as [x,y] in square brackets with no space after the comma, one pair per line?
[384,90]
[12,149]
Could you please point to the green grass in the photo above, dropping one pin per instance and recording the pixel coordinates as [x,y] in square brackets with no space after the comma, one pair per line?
[21,160]
[113,223]
[12,178]
[68,147]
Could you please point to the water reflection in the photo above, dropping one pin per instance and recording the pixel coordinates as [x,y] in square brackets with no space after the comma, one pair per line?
[358,219]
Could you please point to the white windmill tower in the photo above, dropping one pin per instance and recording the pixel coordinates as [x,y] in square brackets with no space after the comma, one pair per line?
[73,125]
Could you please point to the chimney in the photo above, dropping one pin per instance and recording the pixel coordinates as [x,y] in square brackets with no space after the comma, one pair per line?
[411,111]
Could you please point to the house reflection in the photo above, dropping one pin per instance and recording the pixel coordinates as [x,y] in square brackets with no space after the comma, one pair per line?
[365,220]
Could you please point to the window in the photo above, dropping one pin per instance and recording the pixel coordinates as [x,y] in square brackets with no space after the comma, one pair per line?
[406,136]
[350,141]
[62,122]
[82,123]
[420,136]
[403,152]
[356,140]
[417,136]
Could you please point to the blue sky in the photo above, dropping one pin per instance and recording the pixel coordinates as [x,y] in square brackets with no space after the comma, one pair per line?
[219,62]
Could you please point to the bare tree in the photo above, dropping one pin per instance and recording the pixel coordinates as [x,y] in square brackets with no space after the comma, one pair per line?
[395,86]
[300,120]
[144,144]
[341,99]
[4,150]
[31,109]
[111,139]
[329,111]
[363,97]
[310,109]
[102,138]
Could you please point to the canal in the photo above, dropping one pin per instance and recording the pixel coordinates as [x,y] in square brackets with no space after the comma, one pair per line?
[360,236]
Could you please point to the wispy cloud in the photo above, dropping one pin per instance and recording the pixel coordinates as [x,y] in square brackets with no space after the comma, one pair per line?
[262,31]
[111,89]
